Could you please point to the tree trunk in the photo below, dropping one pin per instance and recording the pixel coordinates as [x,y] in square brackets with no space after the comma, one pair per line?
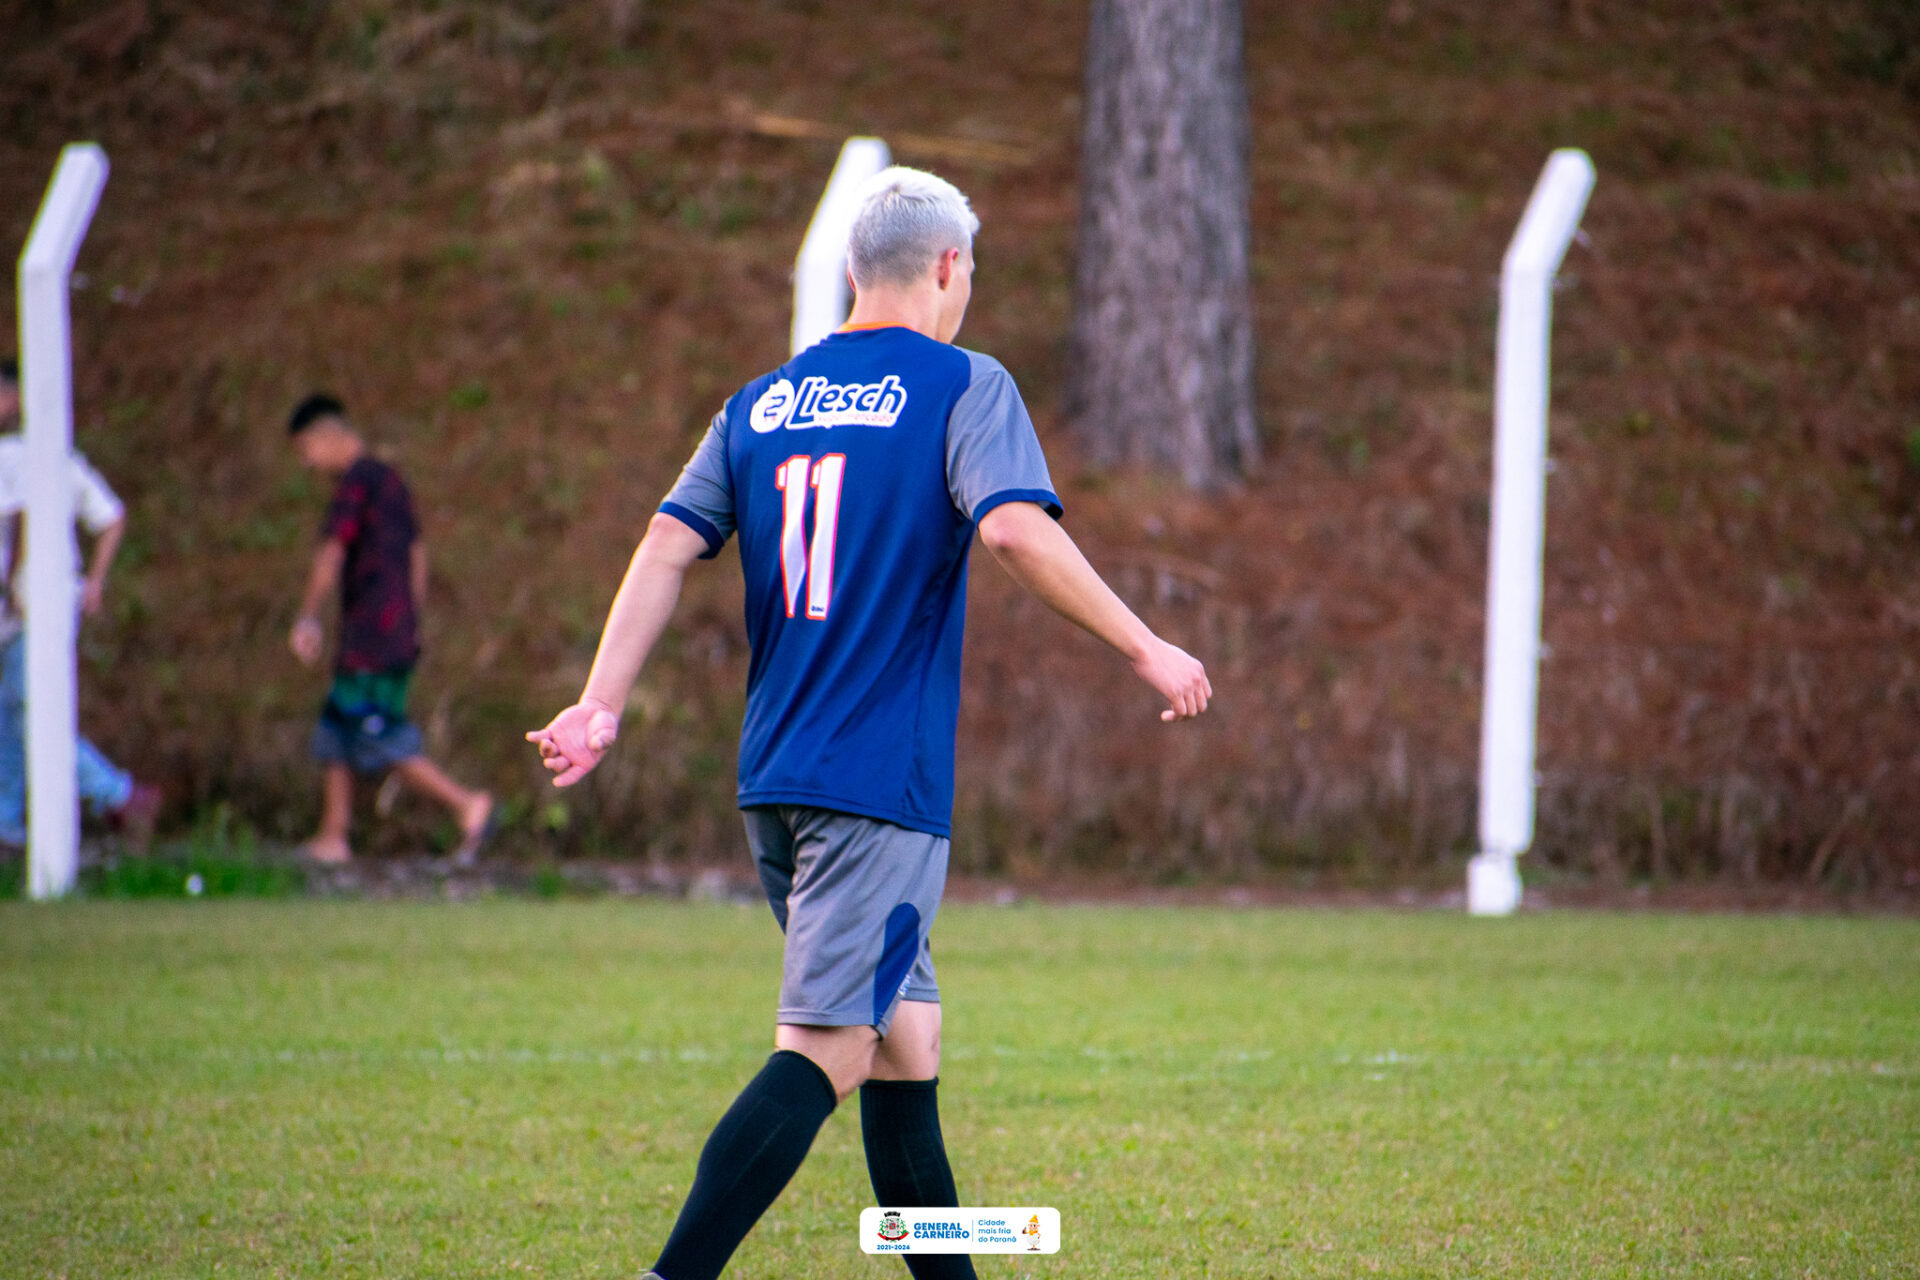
[1163,333]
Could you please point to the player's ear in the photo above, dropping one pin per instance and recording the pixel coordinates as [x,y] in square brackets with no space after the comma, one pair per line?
[944,268]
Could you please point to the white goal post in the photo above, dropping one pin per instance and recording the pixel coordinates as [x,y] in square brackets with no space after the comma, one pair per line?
[1517,538]
[820,293]
[49,603]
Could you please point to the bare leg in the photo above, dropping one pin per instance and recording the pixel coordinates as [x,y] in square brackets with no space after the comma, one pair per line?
[911,1050]
[850,1056]
[329,844]
[471,808]
[843,1054]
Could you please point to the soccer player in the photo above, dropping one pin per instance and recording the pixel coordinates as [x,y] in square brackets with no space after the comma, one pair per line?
[856,476]
[371,552]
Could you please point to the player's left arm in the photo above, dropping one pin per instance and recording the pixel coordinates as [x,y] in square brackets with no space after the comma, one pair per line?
[1042,557]
[997,473]
[578,737]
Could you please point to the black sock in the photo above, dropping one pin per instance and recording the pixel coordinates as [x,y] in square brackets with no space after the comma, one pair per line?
[753,1153]
[907,1160]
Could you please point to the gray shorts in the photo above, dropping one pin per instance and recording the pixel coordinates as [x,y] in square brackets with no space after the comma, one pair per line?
[855,897]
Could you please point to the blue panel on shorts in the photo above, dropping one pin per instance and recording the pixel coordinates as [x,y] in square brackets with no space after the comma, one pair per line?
[899,948]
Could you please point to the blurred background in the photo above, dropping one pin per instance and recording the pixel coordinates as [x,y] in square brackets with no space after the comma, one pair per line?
[534,244]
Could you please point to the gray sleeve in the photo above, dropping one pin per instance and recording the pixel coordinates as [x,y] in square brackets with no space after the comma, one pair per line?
[702,498]
[993,456]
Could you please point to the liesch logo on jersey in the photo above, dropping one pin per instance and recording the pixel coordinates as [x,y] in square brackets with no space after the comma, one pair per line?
[819,403]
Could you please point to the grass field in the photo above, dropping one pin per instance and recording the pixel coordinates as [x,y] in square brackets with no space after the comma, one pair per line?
[506,1088]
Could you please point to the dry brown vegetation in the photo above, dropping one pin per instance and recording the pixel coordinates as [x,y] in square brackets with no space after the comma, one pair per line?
[535,244]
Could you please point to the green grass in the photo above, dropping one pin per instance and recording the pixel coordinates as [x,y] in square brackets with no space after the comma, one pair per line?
[342,1089]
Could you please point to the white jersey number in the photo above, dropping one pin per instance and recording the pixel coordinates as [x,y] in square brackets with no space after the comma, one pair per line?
[800,564]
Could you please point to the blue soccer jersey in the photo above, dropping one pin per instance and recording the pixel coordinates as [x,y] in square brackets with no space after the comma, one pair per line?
[854,475]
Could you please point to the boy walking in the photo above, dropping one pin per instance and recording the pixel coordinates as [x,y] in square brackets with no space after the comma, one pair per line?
[371,553]
[856,476]
[104,787]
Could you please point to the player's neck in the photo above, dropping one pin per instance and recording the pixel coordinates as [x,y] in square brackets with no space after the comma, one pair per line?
[907,309]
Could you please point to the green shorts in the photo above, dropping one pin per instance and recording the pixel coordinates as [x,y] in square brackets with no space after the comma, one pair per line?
[363,723]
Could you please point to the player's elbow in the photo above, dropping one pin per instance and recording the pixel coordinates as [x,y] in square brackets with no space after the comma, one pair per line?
[669,545]
[1009,531]
[998,538]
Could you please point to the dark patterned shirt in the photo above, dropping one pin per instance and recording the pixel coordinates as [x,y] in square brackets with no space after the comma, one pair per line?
[371,515]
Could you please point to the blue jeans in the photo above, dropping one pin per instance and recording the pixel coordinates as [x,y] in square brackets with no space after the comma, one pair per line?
[100,784]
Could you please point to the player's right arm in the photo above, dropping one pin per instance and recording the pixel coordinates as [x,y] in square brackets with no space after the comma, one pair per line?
[1042,557]
[693,522]
[578,737]
[308,637]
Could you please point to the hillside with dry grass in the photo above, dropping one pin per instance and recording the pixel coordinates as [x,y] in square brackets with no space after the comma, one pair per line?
[534,244]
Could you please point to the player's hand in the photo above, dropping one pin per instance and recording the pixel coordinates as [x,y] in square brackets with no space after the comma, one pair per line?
[575,741]
[306,640]
[1179,677]
[91,595]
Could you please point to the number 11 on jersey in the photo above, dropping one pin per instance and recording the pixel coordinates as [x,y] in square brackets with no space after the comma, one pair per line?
[800,563]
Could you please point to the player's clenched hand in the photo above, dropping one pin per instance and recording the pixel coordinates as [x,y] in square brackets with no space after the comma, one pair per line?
[1179,677]
[574,742]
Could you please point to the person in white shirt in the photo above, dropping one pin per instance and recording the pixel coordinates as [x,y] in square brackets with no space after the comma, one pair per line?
[107,789]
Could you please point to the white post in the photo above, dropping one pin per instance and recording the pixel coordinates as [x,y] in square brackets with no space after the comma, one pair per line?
[820,296]
[46,376]
[1509,711]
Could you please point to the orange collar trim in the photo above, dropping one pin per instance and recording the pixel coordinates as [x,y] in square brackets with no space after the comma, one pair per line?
[876,324]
